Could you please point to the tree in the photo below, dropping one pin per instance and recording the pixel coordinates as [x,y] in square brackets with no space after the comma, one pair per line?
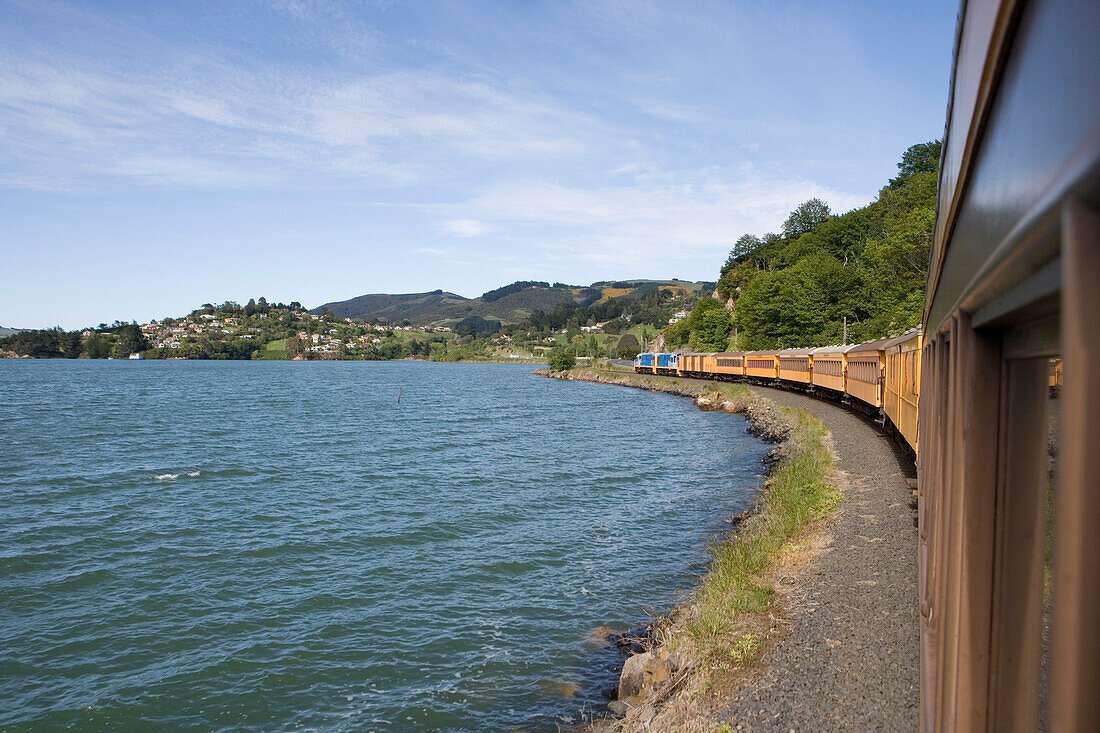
[743,249]
[806,218]
[97,346]
[562,359]
[707,318]
[920,158]
[628,347]
[69,343]
[130,341]
[711,330]
[41,344]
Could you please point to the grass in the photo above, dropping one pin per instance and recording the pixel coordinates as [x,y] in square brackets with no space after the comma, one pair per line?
[274,350]
[797,495]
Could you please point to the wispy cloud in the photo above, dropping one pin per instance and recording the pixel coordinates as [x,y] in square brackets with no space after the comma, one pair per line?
[466,227]
[690,214]
[398,127]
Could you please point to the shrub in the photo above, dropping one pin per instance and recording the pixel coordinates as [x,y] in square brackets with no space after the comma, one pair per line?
[562,359]
[628,347]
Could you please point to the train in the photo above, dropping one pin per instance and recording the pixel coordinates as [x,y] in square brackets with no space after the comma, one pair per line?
[880,378]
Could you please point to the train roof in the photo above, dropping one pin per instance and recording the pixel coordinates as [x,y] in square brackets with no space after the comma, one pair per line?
[826,350]
[909,335]
[795,352]
[876,345]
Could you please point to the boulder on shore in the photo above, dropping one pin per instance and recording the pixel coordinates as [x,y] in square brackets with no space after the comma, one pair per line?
[642,673]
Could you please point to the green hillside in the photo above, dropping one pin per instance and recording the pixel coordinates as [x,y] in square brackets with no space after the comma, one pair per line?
[413,307]
[509,304]
[859,275]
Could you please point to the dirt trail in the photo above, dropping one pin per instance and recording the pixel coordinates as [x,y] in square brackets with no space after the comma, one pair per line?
[850,661]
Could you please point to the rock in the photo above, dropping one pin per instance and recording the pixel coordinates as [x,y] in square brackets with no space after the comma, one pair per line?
[618,707]
[558,687]
[736,519]
[633,641]
[633,681]
[643,672]
[601,636]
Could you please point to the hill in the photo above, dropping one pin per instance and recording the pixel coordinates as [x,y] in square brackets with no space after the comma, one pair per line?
[826,278]
[437,305]
[9,331]
[509,304]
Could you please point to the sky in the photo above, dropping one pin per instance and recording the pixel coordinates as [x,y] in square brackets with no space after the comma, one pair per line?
[158,155]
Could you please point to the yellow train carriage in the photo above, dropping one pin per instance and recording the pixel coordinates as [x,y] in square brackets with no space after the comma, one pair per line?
[795,365]
[828,366]
[696,364]
[866,363]
[902,389]
[706,363]
[762,364]
[731,363]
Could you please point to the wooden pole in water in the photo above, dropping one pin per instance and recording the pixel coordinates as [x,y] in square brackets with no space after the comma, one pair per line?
[399,391]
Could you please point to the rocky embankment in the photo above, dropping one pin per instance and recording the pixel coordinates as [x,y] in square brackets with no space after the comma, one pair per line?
[766,421]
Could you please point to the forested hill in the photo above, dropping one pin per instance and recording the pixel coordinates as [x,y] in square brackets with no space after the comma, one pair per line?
[509,304]
[797,287]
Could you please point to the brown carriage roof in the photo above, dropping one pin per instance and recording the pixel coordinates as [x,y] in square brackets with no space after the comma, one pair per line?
[876,345]
[909,335]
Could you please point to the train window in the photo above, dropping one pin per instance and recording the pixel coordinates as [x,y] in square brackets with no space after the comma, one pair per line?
[864,371]
[1022,583]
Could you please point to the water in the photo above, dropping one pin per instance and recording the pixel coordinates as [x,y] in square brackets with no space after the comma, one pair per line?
[280,545]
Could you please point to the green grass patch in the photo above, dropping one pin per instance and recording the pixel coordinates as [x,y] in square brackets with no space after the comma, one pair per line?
[275,350]
[797,495]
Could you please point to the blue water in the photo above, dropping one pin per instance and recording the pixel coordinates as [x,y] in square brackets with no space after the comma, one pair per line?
[280,545]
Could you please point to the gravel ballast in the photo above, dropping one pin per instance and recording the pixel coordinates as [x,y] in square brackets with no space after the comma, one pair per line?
[850,660]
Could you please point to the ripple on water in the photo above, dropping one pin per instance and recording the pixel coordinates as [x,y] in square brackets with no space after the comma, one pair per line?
[291,548]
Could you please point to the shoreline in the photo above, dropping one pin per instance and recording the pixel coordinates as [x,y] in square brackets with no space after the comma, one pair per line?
[698,654]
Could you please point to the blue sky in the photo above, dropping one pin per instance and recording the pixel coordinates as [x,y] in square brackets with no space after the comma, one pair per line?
[158,155]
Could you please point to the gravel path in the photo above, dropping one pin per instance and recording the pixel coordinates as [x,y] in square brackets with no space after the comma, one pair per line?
[850,661]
